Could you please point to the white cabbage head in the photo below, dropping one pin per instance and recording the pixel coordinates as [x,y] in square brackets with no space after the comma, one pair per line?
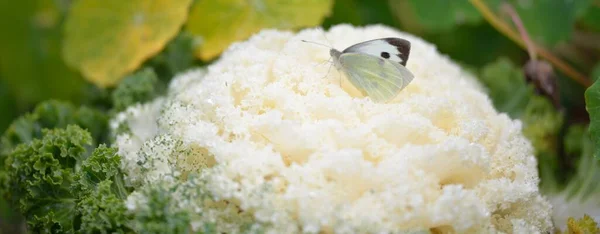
[281,142]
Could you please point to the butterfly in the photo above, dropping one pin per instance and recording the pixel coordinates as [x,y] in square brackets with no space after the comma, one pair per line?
[377,68]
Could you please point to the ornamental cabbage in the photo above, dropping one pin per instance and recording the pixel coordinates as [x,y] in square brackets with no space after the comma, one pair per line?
[270,139]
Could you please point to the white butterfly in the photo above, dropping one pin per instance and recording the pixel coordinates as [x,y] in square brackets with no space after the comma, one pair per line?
[376,67]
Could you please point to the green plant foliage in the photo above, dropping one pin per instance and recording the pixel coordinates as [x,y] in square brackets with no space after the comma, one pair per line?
[160,213]
[7,106]
[221,22]
[591,18]
[177,57]
[585,184]
[578,195]
[592,102]
[549,21]
[360,12]
[102,210]
[31,65]
[463,43]
[582,6]
[511,94]
[41,174]
[53,174]
[60,188]
[595,72]
[435,15]
[137,88]
[507,87]
[53,114]
[101,193]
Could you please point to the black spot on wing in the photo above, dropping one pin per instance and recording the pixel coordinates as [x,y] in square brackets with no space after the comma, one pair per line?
[403,47]
[385,55]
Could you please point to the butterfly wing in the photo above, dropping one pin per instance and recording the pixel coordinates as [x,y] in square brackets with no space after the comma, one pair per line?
[378,78]
[394,49]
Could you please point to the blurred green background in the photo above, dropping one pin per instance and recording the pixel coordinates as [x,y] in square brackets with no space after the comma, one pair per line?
[79,50]
[33,68]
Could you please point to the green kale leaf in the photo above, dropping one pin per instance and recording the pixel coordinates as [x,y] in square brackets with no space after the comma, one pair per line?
[53,114]
[140,87]
[40,175]
[159,212]
[60,185]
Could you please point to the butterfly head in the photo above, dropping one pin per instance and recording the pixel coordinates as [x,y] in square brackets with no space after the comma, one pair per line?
[335,53]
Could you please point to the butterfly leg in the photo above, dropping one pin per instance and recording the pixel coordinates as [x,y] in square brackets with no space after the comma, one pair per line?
[328,70]
[340,78]
[326,61]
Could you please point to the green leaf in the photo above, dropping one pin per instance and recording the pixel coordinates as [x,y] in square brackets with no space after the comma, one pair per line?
[107,39]
[435,15]
[177,57]
[52,114]
[137,88]
[7,106]
[41,173]
[360,12]
[507,87]
[218,23]
[581,7]
[59,189]
[578,193]
[160,213]
[542,124]
[591,19]
[104,164]
[592,104]
[595,72]
[102,211]
[548,21]
[585,183]
[101,193]
[511,94]
[463,44]
[31,65]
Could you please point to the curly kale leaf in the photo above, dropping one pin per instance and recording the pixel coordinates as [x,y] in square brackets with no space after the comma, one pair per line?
[59,187]
[140,87]
[158,212]
[102,165]
[101,192]
[41,173]
[102,210]
[53,114]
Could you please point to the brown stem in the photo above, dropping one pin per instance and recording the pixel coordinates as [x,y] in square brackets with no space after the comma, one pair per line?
[508,9]
[512,35]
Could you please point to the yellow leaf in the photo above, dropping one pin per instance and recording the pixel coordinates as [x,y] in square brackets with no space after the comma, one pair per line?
[107,39]
[221,22]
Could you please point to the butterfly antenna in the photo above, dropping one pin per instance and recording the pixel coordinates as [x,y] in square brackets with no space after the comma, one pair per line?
[316,43]
[326,39]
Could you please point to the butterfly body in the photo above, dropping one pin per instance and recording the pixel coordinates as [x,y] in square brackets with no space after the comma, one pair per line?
[376,67]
